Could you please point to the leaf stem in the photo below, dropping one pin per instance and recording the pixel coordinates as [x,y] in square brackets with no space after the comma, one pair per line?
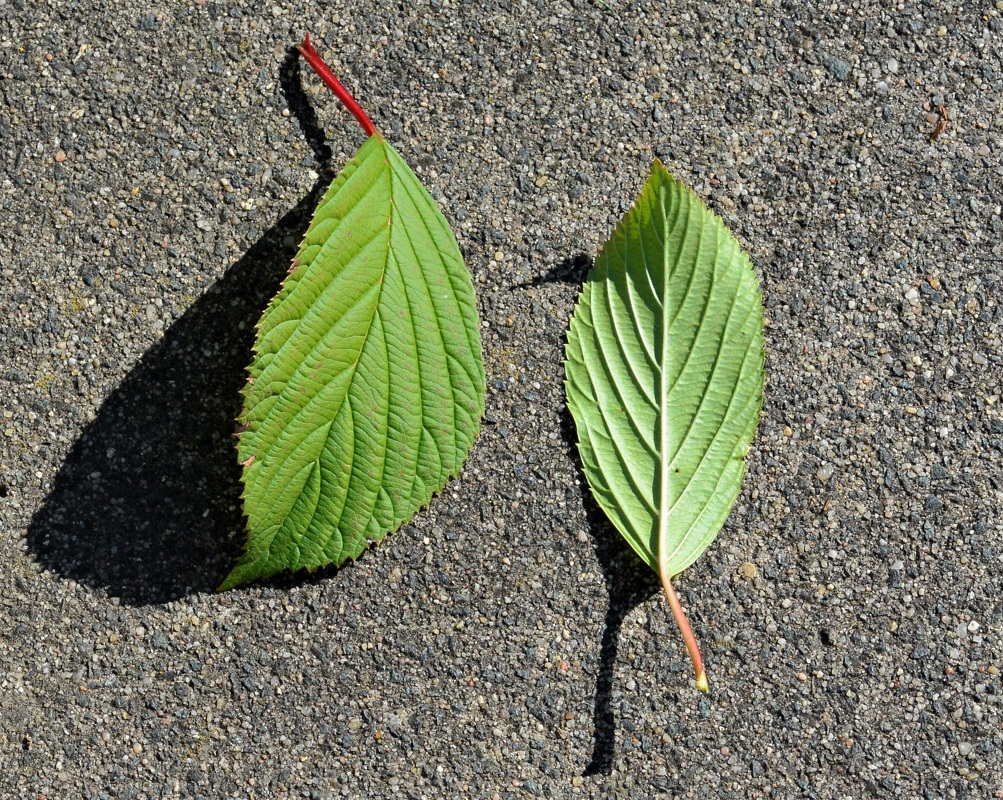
[687,632]
[325,74]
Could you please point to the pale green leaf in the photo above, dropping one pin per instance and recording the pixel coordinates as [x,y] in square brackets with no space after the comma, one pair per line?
[665,374]
[367,385]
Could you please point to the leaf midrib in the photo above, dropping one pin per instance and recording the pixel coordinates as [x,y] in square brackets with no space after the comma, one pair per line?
[663,415]
[376,311]
[365,339]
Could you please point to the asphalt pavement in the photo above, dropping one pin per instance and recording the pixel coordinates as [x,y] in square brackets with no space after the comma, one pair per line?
[158,166]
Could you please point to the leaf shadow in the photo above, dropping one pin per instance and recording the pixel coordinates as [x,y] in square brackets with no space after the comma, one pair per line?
[571,270]
[629,582]
[147,504]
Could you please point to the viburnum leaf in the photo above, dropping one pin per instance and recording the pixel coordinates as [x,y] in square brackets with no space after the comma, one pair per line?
[367,386]
[665,378]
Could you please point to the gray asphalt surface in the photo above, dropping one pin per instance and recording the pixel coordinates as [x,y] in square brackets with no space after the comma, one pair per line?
[159,163]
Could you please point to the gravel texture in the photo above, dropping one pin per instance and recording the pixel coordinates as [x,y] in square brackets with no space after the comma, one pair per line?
[158,163]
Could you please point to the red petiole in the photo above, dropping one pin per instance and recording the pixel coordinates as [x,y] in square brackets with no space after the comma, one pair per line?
[688,637]
[322,70]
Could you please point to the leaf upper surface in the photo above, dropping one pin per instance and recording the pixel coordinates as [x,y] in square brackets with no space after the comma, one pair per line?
[367,386]
[665,373]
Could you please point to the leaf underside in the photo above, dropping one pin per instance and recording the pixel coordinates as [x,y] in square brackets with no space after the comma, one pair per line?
[367,386]
[665,374]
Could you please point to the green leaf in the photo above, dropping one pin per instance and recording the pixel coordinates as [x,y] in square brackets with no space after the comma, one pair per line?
[665,375]
[367,385]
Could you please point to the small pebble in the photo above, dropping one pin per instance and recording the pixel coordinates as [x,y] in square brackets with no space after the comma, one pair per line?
[748,570]
[838,67]
[824,472]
